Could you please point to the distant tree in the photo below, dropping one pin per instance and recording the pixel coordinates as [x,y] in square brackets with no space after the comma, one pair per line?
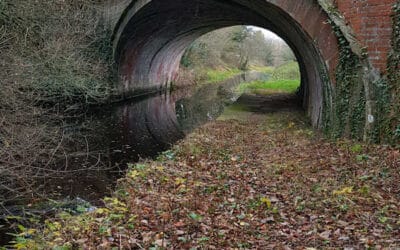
[240,33]
[196,53]
[283,54]
[236,47]
[259,49]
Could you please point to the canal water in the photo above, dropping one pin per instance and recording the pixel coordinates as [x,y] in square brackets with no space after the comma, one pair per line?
[98,145]
[106,139]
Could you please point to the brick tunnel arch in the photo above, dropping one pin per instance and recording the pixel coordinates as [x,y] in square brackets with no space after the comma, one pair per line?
[152,35]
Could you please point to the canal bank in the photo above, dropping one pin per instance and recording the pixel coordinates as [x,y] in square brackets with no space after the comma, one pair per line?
[248,180]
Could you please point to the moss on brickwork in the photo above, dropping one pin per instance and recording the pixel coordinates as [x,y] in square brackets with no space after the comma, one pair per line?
[392,124]
[360,92]
[348,109]
[349,100]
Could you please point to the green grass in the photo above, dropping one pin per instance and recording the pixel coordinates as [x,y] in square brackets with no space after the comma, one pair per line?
[289,71]
[263,69]
[283,79]
[214,76]
[235,111]
[268,87]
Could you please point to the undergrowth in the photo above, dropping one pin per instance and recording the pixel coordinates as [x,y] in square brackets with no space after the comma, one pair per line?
[55,56]
[60,51]
[288,71]
[263,69]
[214,76]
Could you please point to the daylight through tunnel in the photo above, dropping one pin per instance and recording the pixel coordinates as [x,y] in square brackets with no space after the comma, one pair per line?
[152,36]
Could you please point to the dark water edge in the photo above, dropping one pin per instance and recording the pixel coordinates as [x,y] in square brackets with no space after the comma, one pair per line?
[100,143]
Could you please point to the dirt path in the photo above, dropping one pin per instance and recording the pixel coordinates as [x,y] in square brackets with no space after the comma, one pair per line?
[248,181]
[271,103]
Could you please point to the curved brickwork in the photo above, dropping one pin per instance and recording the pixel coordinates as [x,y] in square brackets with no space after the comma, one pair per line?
[152,35]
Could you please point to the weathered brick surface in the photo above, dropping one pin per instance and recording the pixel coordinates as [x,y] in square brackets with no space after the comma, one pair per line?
[371,21]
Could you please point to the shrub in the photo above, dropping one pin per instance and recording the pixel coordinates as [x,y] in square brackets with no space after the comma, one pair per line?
[52,52]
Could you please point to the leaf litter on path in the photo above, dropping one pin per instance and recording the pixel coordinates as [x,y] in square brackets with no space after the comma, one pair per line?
[265,181]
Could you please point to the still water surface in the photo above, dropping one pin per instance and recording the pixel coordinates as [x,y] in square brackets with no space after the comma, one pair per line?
[98,145]
[105,139]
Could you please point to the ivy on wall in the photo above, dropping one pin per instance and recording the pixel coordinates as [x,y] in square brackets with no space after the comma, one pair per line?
[364,104]
[348,107]
[392,124]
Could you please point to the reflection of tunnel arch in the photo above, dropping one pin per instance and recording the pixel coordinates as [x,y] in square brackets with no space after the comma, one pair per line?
[152,35]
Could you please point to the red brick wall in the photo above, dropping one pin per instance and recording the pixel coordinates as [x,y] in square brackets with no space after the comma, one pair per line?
[371,21]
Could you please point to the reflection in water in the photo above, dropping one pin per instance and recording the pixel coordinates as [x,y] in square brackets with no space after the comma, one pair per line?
[110,137]
[208,102]
[97,146]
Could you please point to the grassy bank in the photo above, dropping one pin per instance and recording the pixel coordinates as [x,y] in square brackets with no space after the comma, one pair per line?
[283,79]
[286,75]
[270,87]
[214,76]
[287,71]
[203,76]
[263,69]
[226,186]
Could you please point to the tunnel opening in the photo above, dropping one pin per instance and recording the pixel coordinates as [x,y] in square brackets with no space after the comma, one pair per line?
[152,37]
[236,49]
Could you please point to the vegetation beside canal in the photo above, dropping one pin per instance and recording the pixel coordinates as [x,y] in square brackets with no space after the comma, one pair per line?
[55,58]
[215,76]
[282,79]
